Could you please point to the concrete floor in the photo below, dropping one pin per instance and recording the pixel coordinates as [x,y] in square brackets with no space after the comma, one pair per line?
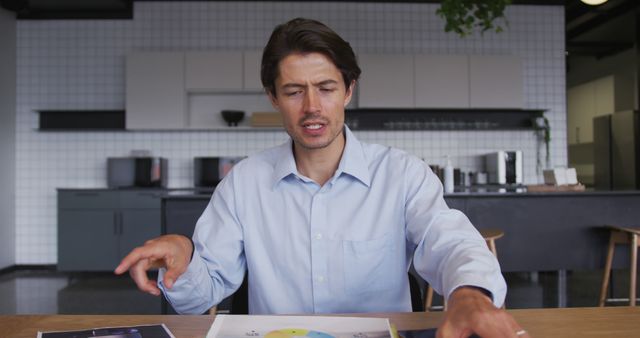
[46,291]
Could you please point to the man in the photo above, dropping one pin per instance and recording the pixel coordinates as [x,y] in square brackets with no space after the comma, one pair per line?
[325,223]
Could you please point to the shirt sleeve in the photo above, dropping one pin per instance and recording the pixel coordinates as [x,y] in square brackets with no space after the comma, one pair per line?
[448,250]
[218,264]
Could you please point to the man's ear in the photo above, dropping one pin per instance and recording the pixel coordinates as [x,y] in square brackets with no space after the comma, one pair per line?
[349,93]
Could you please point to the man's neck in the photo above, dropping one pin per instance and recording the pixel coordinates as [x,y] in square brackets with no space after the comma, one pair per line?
[320,164]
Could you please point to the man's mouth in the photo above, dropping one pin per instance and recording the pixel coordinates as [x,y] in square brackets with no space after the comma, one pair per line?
[314,126]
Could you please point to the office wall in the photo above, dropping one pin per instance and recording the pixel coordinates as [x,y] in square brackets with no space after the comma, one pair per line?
[7,138]
[79,64]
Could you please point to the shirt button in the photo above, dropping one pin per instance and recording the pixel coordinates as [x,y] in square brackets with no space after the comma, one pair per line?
[320,279]
[318,236]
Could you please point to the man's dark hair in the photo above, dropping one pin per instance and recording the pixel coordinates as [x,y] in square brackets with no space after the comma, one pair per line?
[306,36]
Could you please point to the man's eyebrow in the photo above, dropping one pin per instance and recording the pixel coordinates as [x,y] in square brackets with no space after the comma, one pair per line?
[298,85]
[325,82]
[292,85]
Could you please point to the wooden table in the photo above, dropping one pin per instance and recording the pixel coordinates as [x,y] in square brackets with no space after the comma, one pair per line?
[562,322]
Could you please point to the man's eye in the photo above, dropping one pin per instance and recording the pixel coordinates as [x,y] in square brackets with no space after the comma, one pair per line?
[293,93]
[327,90]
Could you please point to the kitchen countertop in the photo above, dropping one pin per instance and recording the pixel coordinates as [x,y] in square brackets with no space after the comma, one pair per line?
[200,193]
[474,191]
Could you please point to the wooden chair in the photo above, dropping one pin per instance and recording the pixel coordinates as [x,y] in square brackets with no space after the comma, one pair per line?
[621,235]
[490,236]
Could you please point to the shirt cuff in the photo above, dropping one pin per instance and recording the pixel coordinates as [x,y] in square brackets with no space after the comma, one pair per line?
[189,277]
[495,290]
[483,290]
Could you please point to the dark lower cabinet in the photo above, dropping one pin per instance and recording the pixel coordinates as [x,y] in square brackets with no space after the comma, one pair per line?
[87,240]
[97,228]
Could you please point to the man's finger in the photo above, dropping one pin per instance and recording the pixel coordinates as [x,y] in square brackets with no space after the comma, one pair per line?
[138,254]
[132,258]
[174,270]
[139,275]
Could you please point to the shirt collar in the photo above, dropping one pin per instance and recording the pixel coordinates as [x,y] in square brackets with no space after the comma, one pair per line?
[353,161]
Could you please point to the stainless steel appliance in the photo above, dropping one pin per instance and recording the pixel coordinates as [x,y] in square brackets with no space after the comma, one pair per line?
[504,167]
[209,171]
[616,145]
[129,172]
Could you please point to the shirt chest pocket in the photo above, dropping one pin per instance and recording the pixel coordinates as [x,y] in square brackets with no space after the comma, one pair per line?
[368,265]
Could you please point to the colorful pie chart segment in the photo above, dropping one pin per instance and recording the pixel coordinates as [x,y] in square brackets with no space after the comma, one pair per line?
[292,333]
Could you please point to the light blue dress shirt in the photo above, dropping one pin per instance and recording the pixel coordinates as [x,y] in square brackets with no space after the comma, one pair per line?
[342,247]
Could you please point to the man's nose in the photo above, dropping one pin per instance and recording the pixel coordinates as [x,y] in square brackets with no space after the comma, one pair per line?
[311,101]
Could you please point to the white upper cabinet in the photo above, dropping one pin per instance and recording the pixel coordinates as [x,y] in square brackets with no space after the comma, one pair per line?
[441,81]
[386,81]
[213,71]
[252,62]
[495,81]
[155,91]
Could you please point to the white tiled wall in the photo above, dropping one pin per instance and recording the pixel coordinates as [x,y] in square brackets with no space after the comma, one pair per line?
[79,64]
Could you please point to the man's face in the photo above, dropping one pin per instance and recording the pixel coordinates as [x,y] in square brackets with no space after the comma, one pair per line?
[311,96]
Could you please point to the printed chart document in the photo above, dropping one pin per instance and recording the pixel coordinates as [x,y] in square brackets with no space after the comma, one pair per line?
[239,326]
[143,331]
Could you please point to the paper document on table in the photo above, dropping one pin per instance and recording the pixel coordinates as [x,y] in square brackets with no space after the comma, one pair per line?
[247,326]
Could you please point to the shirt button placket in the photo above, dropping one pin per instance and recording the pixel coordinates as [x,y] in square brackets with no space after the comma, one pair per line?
[319,253]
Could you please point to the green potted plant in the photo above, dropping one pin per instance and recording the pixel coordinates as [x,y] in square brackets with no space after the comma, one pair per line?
[462,16]
[543,130]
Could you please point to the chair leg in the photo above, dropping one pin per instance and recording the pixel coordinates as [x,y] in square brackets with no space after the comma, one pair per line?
[429,299]
[213,310]
[634,262]
[492,247]
[607,271]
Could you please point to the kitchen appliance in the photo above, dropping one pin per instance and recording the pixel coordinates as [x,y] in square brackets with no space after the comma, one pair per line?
[504,167]
[616,150]
[130,172]
[209,171]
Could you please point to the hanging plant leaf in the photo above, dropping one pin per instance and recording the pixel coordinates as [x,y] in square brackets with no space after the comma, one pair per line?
[462,16]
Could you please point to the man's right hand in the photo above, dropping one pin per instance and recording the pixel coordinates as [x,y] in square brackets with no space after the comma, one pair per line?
[172,252]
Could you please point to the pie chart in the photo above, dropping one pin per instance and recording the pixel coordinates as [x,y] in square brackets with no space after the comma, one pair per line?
[291,333]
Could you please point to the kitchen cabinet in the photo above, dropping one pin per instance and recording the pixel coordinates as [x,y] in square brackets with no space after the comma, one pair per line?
[155,90]
[441,81]
[97,228]
[166,90]
[495,81]
[386,81]
[213,71]
[251,69]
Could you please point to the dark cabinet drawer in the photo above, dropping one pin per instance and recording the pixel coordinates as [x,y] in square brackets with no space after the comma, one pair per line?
[140,199]
[89,199]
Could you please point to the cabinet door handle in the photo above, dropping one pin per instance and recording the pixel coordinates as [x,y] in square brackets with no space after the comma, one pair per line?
[85,194]
[115,223]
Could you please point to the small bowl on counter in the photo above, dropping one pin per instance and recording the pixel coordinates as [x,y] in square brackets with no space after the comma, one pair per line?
[232,117]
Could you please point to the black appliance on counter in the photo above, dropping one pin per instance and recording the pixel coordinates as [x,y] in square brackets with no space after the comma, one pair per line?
[130,172]
[209,171]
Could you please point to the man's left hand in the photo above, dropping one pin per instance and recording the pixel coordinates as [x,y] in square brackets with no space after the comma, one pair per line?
[469,311]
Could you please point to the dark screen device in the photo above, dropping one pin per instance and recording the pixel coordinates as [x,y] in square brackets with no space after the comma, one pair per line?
[426,333]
